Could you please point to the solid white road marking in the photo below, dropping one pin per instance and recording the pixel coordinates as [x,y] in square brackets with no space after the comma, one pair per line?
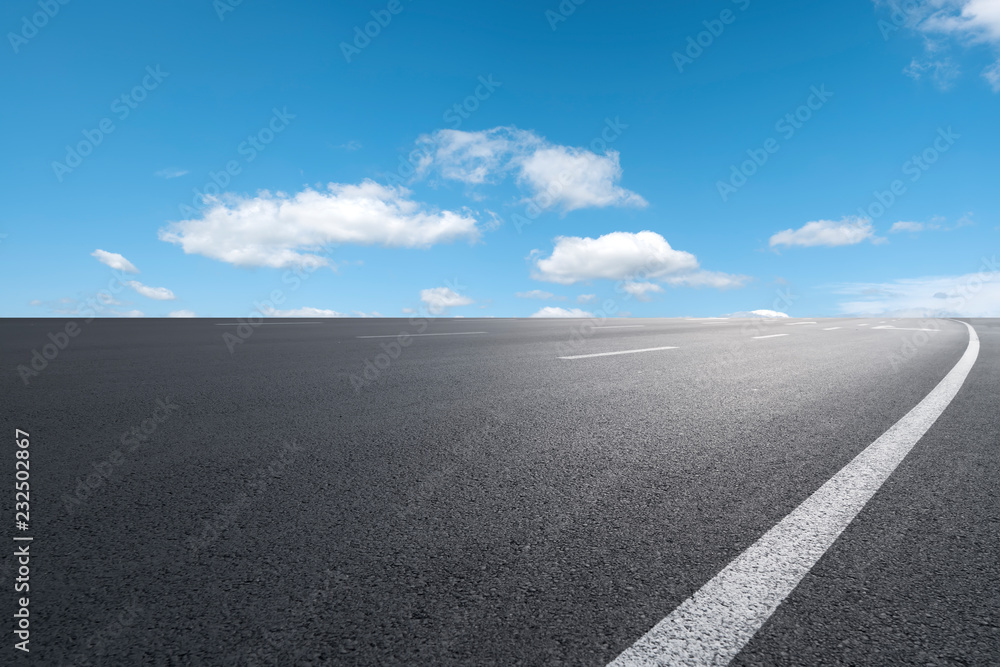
[622,326]
[792,324]
[712,626]
[770,336]
[233,324]
[830,328]
[888,326]
[609,354]
[444,333]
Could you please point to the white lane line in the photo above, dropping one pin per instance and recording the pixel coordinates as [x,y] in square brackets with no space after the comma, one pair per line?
[622,326]
[770,336]
[862,325]
[233,324]
[792,324]
[889,326]
[714,624]
[609,354]
[831,328]
[444,333]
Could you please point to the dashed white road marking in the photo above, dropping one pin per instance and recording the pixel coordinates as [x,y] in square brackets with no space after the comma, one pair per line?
[831,328]
[792,324]
[233,324]
[622,326]
[770,336]
[609,354]
[862,325]
[889,326]
[712,626]
[443,333]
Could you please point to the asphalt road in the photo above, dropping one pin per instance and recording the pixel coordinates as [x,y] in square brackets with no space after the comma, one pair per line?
[284,495]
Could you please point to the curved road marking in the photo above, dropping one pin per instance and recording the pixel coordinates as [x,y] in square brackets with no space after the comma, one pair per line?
[609,354]
[712,626]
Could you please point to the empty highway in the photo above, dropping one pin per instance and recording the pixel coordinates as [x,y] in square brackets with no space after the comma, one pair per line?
[509,492]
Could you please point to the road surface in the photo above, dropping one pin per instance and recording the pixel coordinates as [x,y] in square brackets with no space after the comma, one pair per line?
[499,492]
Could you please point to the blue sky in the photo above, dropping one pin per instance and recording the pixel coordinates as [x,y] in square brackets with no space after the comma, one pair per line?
[503,159]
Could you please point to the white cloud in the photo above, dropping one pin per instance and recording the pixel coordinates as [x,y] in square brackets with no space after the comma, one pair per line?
[759,313]
[586,298]
[35,302]
[409,311]
[849,231]
[130,313]
[970,295]
[716,279]
[278,230]
[614,256]
[539,294]
[158,293]
[171,173]
[114,260]
[181,313]
[575,178]
[306,311]
[439,299]
[906,227]
[640,290]
[556,176]
[553,311]
[965,22]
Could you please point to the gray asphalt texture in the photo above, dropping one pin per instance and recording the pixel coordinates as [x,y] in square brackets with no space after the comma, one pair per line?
[479,501]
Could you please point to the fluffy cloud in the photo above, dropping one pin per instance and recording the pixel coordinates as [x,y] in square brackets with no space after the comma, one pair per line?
[553,311]
[970,295]
[849,231]
[556,176]
[181,313]
[439,299]
[278,230]
[638,259]
[539,294]
[640,290]
[586,298]
[614,256]
[114,260]
[158,293]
